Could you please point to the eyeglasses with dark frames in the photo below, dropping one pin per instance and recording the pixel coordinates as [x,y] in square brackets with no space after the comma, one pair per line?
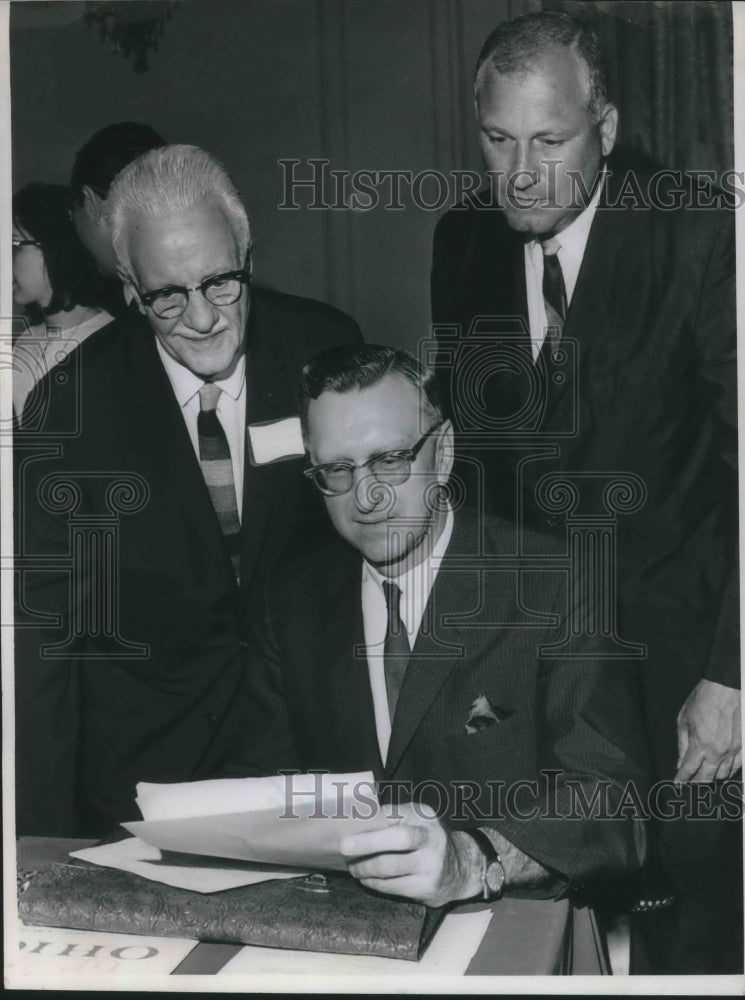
[392,468]
[17,244]
[171,301]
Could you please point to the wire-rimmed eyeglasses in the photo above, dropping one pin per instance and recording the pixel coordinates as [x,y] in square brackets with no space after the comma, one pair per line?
[392,468]
[171,301]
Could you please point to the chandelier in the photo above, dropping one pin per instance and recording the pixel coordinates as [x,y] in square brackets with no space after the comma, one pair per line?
[130,28]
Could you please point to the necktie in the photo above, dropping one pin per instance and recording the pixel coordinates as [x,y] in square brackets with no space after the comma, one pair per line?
[217,469]
[396,651]
[554,292]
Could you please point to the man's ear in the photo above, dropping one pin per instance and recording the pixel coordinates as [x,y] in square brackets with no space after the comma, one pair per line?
[445,452]
[608,126]
[94,203]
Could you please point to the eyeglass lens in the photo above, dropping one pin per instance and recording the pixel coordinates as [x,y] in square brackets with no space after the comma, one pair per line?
[391,470]
[219,292]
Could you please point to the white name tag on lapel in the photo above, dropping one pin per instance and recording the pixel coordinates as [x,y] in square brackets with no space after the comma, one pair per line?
[275,441]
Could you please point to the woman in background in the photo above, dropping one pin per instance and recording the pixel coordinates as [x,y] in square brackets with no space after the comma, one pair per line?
[55,282]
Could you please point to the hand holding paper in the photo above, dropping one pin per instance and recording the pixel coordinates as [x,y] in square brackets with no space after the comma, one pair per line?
[415,858]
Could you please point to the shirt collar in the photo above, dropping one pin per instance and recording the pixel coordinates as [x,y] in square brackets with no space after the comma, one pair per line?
[415,574]
[186,384]
[573,239]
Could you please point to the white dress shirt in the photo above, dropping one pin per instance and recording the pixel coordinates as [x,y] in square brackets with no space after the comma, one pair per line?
[415,585]
[572,242]
[231,409]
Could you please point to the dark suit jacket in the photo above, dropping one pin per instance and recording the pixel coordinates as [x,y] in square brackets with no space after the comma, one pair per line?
[308,701]
[646,386]
[97,719]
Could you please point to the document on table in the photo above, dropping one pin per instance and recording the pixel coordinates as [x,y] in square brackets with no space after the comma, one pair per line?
[134,855]
[56,951]
[292,820]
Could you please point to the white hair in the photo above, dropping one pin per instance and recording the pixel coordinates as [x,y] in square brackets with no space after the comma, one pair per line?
[168,180]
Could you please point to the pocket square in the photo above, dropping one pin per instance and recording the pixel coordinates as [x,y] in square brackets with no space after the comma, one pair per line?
[482,715]
[275,441]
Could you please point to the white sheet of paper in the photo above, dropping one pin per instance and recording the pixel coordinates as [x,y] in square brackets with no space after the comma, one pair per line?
[134,855]
[286,820]
[298,841]
[449,953]
[276,440]
[55,951]
[219,796]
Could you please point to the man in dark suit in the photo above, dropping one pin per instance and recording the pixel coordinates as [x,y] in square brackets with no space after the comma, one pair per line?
[155,489]
[417,645]
[585,315]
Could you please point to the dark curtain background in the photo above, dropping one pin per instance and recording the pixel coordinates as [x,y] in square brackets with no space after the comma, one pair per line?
[671,75]
[365,84]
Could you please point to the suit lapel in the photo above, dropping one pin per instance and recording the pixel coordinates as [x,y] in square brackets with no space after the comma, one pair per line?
[353,711]
[494,272]
[494,305]
[493,281]
[602,280]
[158,436]
[268,397]
[430,664]
[439,646]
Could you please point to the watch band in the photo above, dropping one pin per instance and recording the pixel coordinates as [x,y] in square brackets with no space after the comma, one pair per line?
[489,855]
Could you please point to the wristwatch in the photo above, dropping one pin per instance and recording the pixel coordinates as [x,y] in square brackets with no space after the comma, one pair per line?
[493,876]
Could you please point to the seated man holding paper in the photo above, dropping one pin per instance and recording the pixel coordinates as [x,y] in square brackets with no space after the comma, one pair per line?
[421,646]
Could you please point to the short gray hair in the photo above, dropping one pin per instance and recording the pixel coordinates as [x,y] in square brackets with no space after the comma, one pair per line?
[517,45]
[173,179]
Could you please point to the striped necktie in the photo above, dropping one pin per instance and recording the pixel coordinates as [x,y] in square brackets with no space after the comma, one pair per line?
[396,650]
[217,469]
[554,292]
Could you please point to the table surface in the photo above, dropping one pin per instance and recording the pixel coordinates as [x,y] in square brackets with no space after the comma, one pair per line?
[524,937]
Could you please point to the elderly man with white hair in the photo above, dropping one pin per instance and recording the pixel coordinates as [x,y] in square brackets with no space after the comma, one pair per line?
[189,405]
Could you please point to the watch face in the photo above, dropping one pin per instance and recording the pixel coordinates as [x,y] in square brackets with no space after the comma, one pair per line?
[495,877]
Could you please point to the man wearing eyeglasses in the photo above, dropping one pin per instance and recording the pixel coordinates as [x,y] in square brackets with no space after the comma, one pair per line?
[414,646]
[189,402]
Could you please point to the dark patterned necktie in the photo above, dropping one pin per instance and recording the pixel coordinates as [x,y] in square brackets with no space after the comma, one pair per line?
[554,292]
[396,651]
[217,469]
